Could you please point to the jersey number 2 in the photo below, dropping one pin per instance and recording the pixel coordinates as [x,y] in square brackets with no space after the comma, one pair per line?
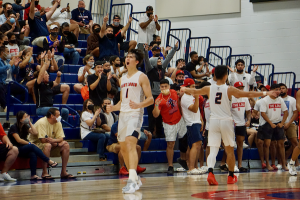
[218,98]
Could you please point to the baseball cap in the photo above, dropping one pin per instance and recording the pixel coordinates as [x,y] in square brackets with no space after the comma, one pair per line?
[238,84]
[180,72]
[188,82]
[213,71]
[149,8]
[156,48]
[116,17]
[265,86]
[53,27]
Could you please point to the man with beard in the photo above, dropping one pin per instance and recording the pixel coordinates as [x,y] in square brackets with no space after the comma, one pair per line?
[108,43]
[273,129]
[290,128]
[240,75]
[155,69]
[191,66]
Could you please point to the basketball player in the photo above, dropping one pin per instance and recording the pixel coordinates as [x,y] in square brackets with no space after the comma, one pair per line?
[221,123]
[134,87]
[296,152]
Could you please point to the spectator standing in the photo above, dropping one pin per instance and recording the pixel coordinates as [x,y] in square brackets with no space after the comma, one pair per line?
[18,134]
[50,139]
[148,24]
[108,43]
[99,85]
[90,119]
[240,75]
[93,41]
[61,16]
[44,93]
[167,105]
[83,18]
[8,154]
[37,22]
[191,66]
[18,7]
[70,41]
[155,70]
[84,71]
[117,27]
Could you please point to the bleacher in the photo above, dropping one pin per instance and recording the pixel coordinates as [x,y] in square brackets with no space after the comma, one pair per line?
[83,152]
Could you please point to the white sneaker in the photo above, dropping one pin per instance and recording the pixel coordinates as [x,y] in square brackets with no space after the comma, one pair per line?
[7,177]
[292,169]
[245,146]
[204,168]
[195,172]
[130,187]
[138,183]
[236,169]
[202,171]
[279,166]
[180,169]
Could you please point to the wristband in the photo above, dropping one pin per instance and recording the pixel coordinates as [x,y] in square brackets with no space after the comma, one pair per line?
[156,105]
[265,93]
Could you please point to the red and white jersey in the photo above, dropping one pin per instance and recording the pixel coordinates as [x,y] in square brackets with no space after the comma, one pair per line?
[131,90]
[273,108]
[207,114]
[238,108]
[219,102]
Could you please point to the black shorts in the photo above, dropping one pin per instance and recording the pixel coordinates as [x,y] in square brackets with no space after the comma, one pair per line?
[124,46]
[194,135]
[260,134]
[240,130]
[273,133]
[3,152]
[56,89]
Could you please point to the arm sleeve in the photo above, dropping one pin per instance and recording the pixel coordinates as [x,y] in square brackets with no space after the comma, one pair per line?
[3,68]
[41,129]
[169,58]
[73,15]
[185,103]
[56,14]
[85,116]
[148,66]
[59,132]
[80,71]
[232,78]
[252,78]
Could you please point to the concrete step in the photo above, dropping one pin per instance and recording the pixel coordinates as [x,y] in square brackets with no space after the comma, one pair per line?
[78,150]
[85,164]
[74,144]
[78,158]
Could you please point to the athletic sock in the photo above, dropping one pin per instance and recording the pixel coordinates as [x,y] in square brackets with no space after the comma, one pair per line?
[231,174]
[292,162]
[133,175]
[211,170]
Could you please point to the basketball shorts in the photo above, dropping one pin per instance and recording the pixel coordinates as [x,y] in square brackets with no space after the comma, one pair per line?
[193,134]
[273,133]
[171,131]
[260,134]
[240,130]
[221,129]
[3,152]
[291,132]
[130,124]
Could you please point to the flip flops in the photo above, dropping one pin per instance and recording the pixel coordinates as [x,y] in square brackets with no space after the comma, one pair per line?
[68,176]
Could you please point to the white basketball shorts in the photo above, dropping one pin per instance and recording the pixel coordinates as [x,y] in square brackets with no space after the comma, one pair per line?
[221,129]
[129,122]
[171,131]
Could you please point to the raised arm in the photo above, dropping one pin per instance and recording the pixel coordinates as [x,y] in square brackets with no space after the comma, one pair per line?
[157,26]
[125,28]
[43,69]
[95,84]
[57,80]
[252,75]
[204,91]
[51,11]
[148,65]
[170,56]
[103,27]
[31,11]
[232,91]
[144,25]
[156,110]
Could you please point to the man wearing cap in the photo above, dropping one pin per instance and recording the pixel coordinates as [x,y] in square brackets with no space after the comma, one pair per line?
[178,80]
[273,129]
[214,79]
[238,108]
[37,22]
[54,41]
[83,18]
[290,128]
[117,27]
[62,15]
[148,24]
[180,65]
[192,117]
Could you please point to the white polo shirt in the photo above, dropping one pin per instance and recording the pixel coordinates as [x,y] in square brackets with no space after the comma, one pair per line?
[238,108]
[273,108]
[190,117]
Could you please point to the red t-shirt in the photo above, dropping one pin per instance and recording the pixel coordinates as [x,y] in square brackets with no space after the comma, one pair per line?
[169,109]
[2,133]
[26,14]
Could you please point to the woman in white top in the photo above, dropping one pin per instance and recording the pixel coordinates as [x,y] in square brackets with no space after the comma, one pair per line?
[12,45]
[89,121]
[84,71]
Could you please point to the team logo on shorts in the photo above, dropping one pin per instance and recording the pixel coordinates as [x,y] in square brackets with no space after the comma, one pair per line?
[257,194]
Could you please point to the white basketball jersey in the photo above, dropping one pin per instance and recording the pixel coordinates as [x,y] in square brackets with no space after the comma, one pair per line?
[131,90]
[207,114]
[220,106]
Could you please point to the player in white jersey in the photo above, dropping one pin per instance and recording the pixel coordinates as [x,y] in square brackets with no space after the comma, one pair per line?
[221,123]
[260,138]
[296,152]
[135,87]
[290,128]
[241,75]
[240,106]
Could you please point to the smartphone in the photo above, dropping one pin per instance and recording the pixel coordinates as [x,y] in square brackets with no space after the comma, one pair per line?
[46,136]
[204,60]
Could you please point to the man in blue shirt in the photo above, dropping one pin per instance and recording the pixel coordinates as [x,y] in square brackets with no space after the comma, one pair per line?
[18,7]
[108,42]
[83,18]
[37,23]
[8,68]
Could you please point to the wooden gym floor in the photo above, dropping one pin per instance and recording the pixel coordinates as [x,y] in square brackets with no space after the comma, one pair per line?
[255,185]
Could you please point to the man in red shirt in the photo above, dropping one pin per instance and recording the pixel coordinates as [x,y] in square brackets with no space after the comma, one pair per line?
[8,153]
[167,104]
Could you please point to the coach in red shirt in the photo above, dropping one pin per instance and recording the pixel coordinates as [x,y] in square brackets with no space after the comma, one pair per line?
[167,104]
[8,153]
